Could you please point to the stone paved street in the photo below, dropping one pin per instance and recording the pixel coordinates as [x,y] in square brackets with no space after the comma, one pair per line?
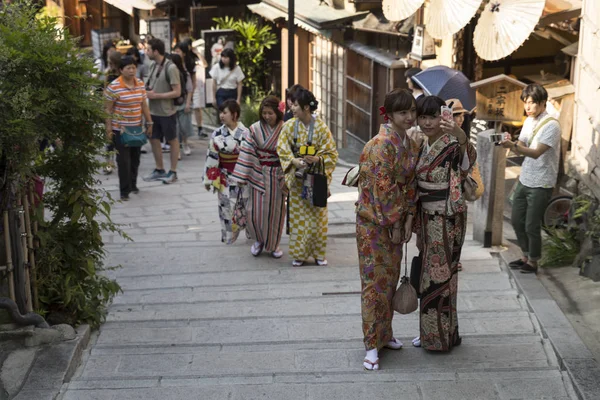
[199,320]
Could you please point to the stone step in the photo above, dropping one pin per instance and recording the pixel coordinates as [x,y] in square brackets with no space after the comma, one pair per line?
[284,307]
[285,329]
[308,274]
[198,296]
[199,362]
[359,386]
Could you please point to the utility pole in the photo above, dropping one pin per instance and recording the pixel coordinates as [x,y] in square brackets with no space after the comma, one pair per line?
[291,43]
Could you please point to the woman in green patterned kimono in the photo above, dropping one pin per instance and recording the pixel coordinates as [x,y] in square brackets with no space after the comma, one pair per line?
[445,159]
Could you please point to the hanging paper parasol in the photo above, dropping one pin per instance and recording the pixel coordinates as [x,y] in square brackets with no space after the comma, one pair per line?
[398,10]
[446,17]
[447,83]
[504,25]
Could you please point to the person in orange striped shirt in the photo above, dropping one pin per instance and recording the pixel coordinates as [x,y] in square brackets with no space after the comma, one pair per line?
[125,103]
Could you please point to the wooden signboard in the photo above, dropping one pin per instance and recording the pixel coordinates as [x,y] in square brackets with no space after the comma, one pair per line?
[499,99]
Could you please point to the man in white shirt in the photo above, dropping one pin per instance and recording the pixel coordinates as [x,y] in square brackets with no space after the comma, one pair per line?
[539,143]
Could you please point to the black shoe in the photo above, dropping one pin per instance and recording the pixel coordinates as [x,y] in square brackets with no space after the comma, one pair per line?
[124,197]
[528,269]
[135,190]
[517,264]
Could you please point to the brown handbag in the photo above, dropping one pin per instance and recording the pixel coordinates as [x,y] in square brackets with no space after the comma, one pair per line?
[405,300]
[473,185]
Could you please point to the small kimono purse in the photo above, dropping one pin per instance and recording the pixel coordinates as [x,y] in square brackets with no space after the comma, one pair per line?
[405,300]
[351,177]
[473,185]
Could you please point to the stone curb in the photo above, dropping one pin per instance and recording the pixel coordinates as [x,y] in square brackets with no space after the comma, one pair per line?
[54,364]
[572,353]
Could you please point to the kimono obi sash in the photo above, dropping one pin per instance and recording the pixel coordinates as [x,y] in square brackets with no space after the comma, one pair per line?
[268,158]
[433,196]
[228,161]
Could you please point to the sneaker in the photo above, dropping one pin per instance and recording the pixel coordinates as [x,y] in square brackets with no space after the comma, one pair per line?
[186,150]
[135,190]
[171,177]
[156,175]
[166,148]
[529,269]
[516,264]
[124,197]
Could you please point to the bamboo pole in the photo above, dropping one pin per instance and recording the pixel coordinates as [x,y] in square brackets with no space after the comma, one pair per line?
[23,234]
[9,264]
[30,250]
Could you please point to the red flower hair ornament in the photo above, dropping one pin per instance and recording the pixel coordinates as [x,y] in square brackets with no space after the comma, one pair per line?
[383,112]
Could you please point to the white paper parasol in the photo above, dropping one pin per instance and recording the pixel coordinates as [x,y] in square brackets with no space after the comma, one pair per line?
[446,17]
[504,25]
[398,10]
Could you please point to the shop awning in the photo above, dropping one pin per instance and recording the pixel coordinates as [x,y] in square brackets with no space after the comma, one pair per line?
[128,5]
[384,58]
[311,15]
[375,21]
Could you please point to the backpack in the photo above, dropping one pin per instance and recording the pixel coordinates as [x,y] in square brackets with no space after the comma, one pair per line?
[178,101]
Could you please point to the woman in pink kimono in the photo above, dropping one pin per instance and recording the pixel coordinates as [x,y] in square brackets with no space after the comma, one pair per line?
[259,165]
[385,210]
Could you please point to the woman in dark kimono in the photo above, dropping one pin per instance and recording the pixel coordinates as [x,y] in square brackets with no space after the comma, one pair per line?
[446,157]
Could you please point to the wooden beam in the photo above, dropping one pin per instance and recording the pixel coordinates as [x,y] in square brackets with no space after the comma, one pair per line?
[559,17]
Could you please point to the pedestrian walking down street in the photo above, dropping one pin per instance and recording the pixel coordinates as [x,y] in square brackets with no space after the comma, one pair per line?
[228,78]
[306,142]
[259,165]
[125,103]
[185,129]
[221,158]
[384,216]
[539,143]
[163,87]
[445,158]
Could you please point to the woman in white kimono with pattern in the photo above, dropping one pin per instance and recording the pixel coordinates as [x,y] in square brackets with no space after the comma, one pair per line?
[307,223]
[222,155]
[259,165]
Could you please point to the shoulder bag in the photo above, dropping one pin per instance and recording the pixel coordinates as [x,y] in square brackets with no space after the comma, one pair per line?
[473,185]
[405,300]
[351,177]
[318,181]
[133,136]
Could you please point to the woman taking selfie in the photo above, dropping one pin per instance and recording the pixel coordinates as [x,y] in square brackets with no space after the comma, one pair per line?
[440,224]
[306,142]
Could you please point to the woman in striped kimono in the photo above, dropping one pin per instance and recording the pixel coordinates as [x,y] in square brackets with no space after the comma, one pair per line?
[221,158]
[445,159]
[258,165]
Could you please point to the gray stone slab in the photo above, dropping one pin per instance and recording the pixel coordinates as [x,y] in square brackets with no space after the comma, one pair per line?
[170,393]
[566,344]
[352,391]
[584,373]
[527,388]
[469,390]
[36,395]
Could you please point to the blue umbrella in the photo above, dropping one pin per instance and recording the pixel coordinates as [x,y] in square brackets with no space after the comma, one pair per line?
[447,83]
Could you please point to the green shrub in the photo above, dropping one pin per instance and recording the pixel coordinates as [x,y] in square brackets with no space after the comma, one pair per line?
[48,94]
[560,247]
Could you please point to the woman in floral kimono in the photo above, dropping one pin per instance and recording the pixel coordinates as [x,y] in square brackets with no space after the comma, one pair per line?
[259,165]
[385,210]
[445,158]
[305,140]
[221,158]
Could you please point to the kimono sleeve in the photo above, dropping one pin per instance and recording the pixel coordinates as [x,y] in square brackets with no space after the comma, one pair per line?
[456,201]
[284,146]
[212,172]
[327,149]
[388,203]
[247,160]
